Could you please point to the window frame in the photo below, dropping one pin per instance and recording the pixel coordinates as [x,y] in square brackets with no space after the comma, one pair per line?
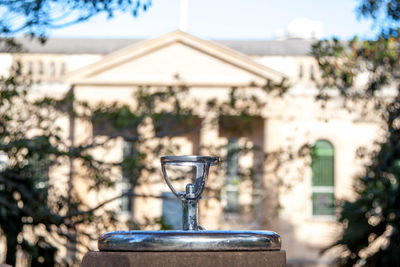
[321,188]
[127,203]
[312,73]
[300,75]
[41,68]
[232,178]
[52,69]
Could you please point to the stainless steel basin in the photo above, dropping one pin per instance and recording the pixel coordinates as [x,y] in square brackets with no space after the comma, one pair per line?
[189,241]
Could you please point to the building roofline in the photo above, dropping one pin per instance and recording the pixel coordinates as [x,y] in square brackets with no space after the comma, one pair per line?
[101,46]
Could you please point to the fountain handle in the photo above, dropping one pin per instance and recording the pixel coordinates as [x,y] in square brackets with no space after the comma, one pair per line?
[193,192]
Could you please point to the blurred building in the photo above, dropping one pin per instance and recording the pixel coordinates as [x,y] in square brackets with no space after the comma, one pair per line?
[109,70]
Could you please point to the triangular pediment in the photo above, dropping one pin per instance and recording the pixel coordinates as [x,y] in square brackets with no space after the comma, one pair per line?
[175,58]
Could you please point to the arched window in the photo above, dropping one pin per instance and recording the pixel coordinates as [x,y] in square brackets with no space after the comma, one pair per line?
[30,68]
[18,67]
[41,68]
[301,71]
[312,73]
[63,68]
[52,69]
[322,184]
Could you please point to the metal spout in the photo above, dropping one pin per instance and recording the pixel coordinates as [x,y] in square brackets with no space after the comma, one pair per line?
[190,210]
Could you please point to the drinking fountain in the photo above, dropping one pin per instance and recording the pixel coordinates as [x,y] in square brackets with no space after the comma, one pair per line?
[193,242]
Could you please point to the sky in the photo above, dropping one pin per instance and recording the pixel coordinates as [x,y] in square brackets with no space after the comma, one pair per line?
[227,19]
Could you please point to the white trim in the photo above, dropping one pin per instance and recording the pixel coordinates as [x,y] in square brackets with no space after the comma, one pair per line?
[323,189]
[137,50]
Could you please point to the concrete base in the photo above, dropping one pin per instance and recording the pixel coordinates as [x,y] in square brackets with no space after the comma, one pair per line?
[193,259]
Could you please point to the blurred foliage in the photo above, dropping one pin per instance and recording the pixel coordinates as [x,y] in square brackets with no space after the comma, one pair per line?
[36,17]
[384,13]
[341,62]
[31,200]
[370,222]
[34,143]
[41,209]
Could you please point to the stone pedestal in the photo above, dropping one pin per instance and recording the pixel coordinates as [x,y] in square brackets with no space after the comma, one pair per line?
[187,258]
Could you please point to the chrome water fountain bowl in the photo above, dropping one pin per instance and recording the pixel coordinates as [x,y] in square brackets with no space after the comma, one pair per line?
[192,237]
